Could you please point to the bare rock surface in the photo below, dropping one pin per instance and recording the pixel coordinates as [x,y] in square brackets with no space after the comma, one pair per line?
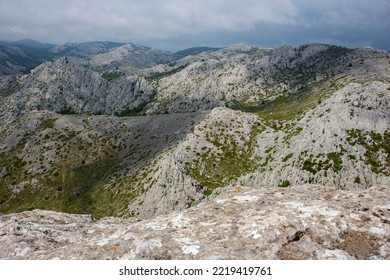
[66,86]
[305,222]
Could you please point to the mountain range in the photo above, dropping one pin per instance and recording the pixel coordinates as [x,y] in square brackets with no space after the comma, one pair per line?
[123,130]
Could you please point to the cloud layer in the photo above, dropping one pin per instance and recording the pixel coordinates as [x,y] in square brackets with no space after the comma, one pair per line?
[268,22]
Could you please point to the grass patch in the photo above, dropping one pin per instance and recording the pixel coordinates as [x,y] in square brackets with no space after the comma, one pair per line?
[48,123]
[292,106]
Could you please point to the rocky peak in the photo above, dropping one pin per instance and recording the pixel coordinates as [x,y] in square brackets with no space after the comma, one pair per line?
[132,55]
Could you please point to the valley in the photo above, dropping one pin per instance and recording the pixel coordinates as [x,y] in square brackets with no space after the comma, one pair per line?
[129,132]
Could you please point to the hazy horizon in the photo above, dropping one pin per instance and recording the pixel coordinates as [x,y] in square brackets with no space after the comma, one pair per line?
[177,50]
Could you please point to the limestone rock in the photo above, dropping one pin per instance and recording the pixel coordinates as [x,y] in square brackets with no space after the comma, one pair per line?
[66,86]
[304,222]
[244,77]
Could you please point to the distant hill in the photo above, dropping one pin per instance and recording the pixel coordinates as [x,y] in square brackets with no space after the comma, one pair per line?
[85,48]
[27,43]
[21,59]
[193,51]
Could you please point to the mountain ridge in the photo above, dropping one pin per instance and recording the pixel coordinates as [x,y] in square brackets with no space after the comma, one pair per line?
[259,117]
[122,151]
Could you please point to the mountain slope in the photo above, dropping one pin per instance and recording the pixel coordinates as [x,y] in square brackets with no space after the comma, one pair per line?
[247,80]
[83,164]
[86,49]
[27,43]
[17,60]
[20,57]
[130,56]
[314,114]
[193,51]
[67,86]
[343,143]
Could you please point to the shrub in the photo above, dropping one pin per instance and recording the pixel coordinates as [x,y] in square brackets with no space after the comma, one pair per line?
[109,76]
[285,184]
[357,180]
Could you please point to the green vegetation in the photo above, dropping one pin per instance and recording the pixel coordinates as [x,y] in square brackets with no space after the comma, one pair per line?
[139,110]
[336,51]
[289,107]
[375,145]
[94,171]
[352,157]
[285,184]
[67,111]
[302,95]
[357,180]
[314,164]
[48,123]
[286,158]
[230,160]
[159,75]
[335,160]
[194,51]
[12,87]
[136,111]
[75,180]
[111,75]
[284,107]
[310,166]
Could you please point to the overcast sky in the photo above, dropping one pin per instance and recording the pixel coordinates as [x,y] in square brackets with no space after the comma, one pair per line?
[178,24]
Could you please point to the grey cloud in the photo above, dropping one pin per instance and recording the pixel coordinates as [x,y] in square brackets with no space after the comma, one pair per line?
[195,20]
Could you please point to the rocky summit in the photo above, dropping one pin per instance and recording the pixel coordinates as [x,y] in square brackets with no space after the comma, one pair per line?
[112,150]
[303,222]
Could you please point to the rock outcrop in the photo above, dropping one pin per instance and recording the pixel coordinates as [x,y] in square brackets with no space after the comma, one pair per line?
[66,86]
[303,222]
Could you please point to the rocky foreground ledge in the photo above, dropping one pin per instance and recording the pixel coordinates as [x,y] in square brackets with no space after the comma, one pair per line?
[305,222]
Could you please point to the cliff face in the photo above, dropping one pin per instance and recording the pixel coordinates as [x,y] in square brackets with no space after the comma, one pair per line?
[303,222]
[66,86]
